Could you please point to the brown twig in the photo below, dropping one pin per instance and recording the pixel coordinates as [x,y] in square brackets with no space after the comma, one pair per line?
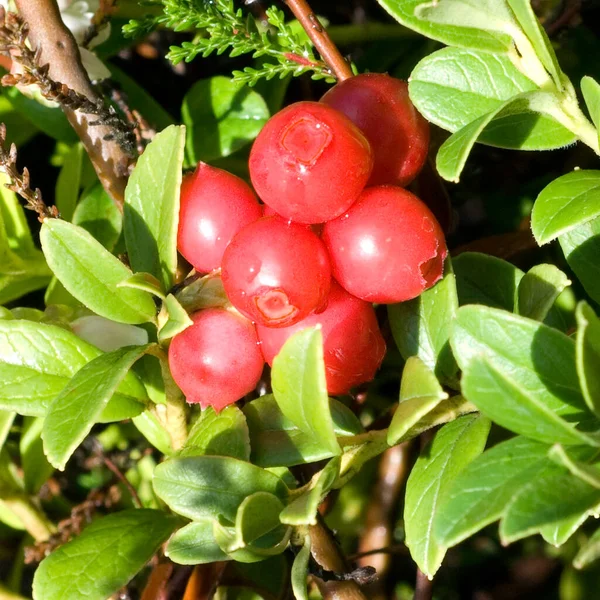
[20,182]
[56,47]
[320,38]
[423,587]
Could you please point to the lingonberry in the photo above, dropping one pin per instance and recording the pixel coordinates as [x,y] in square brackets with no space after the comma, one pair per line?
[276,272]
[217,360]
[215,205]
[309,163]
[388,247]
[353,346]
[399,135]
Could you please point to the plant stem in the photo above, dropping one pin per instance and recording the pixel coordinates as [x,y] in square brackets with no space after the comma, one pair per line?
[35,521]
[423,587]
[320,38]
[59,50]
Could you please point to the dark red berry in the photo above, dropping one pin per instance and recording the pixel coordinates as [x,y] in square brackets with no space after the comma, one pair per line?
[388,247]
[276,272]
[309,163]
[217,360]
[399,135]
[215,205]
[352,343]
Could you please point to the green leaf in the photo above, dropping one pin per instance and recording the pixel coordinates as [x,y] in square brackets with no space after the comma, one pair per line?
[101,560]
[91,274]
[257,515]
[582,248]
[421,327]
[420,393]
[73,413]
[178,320]
[36,468]
[591,94]
[588,473]
[209,486]
[299,386]
[206,292]
[559,532]
[69,182]
[219,434]
[38,360]
[451,450]
[19,129]
[195,544]
[13,219]
[144,282]
[221,118]
[276,441]
[98,214]
[487,280]
[299,573]
[20,276]
[6,420]
[303,509]
[480,494]
[152,206]
[152,429]
[539,289]
[564,204]
[507,123]
[587,355]
[589,552]
[464,37]
[540,359]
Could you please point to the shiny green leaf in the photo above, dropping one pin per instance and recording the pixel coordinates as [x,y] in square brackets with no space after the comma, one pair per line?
[178,320]
[195,544]
[538,290]
[588,355]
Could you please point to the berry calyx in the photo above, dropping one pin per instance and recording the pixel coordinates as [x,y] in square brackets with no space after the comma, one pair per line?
[215,205]
[309,163]
[353,346]
[217,360]
[388,247]
[276,272]
[379,105]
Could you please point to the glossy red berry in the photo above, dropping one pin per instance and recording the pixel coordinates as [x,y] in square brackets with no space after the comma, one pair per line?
[276,272]
[309,163]
[399,135]
[217,360]
[388,247]
[352,343]
[215,205]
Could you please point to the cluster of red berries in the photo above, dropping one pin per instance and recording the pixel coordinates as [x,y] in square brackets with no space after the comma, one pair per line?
[336,233]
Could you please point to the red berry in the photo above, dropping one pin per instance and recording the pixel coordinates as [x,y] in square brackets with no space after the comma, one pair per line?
[399,135]
[388,247]
[309,163]
[276,272]
[215,205]
[217,360]
[352,343]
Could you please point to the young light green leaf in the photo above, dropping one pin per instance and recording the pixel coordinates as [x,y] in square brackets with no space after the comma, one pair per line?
[221,118]
[559,532]
[36,468]
[420,393]
[303,509]
[452,35]
[152,206]
[590,89]
[587,355]
[195,544]
[564,204]
[421,327]
[177,321]
[98,214]
[6,420]
[299,573]
[38,360]
[92,274]
[144,282]
[582,248]
[13,219]
[451,450]
[219,434]
[69,182]
[537,358]
[539,289]
[300,389]
[117,546]
[256,516]
[453,86]
[480,493]
[588,473]
[209,486]
[276,441]
[73,413]
[153,430]
[589,552]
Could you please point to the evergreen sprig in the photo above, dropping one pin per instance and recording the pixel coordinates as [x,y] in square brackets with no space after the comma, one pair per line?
[223,28]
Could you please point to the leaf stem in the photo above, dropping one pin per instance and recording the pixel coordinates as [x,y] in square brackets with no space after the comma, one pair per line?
[423,587]
[35,521]
[320,38]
